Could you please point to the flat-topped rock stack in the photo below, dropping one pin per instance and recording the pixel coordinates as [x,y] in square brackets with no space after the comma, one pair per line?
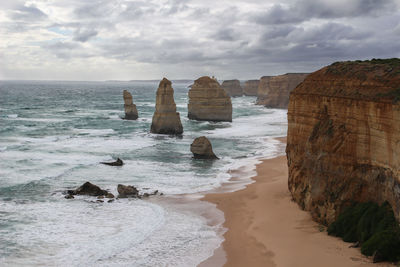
[165,119]
[251,87]
[273,91]
[131,112]
[232,87]
[208,101]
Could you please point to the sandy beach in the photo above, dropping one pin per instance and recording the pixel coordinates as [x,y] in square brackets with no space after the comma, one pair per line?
[266,228]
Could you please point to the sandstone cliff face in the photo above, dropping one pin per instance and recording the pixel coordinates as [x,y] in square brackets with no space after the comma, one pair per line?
[273,91]
[232,87]
[130,108]
[343,141]
[208,101]
[202,148]
[165,119]
[251,87]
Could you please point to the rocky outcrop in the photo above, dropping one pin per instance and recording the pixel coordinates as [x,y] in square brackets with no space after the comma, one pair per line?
[125,191]
[273,91]
[130,108]
[202,148]
[165,119]
[88,189]
[118,162]
[232,87]
[343,142]
[208,101]
[251,87]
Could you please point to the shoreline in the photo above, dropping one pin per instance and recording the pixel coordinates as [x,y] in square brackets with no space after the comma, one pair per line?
[264,227]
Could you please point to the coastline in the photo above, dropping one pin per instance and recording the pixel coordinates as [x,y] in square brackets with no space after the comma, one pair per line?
[266,228]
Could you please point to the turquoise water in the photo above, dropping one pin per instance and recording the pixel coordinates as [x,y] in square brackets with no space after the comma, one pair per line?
[53,136]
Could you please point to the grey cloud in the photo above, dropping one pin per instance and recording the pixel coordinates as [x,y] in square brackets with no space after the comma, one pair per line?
[225,34]
[84,35]
[27,13]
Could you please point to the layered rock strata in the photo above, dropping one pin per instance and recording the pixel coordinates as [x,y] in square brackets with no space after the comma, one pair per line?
[250,87]
[165,119]
[343,142]
[273,91]
[208,101]
[131,112]
[232,87]
[202,148]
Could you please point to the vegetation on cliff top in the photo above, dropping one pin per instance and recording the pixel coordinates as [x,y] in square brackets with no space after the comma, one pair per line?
[373,226]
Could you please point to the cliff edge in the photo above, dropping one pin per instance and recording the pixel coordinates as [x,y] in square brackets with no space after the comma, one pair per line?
[343,140]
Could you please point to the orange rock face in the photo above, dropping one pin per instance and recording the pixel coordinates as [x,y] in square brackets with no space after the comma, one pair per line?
[251,87]
[273,91]
[343,140]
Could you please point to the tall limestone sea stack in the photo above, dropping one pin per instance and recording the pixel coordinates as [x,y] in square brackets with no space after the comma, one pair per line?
[251,87]
[343,142]
[130,108]
[208,101]
[273,91]
[232,87]
[165,119]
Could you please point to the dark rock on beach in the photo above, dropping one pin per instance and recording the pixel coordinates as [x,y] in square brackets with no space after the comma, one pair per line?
[118,162]
[125,191]
[88,189]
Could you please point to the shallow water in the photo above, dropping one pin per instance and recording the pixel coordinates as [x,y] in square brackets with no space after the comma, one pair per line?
[53,136]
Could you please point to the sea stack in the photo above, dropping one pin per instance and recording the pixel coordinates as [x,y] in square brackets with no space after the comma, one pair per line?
[251,87]
[202,148]
[232,87]
[130,108]
[343,141]
[165,119]
[208,101]
[273,91]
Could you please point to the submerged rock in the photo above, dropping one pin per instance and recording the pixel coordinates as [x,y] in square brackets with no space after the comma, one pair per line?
[165,119]
[88,189]
[232,87]
[125,191]
[202,148]
[118,162]
[208,101]
[131,112]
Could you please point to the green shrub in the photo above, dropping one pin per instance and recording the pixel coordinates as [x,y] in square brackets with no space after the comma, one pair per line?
[374,226]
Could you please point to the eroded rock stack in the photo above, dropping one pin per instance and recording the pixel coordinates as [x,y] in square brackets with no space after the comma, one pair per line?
[273,91]
[202,148]
[165,119]
[232,87]
[343,142]
[130,108]
[251,87]
[208,101]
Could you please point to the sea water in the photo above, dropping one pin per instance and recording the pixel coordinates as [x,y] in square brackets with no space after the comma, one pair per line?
[53,136]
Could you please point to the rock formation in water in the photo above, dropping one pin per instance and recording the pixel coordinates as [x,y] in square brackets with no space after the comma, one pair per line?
[130,108]
[125,191]
[118,162]
[232,87]
[251,87]
[208,101]
[165,119]
[202,148]
[343,142]
[273,91]
[87,189]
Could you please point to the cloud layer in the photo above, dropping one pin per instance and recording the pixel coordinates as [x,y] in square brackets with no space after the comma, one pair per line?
[124,39]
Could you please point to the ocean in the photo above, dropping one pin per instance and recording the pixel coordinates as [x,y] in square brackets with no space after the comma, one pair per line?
[53,136]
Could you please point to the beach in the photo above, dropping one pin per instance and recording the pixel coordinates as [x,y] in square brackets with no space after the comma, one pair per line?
[266,228]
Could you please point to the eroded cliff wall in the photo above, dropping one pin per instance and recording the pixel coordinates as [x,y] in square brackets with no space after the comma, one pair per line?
[273,91]
[250,87]
[343,141]
[232,87]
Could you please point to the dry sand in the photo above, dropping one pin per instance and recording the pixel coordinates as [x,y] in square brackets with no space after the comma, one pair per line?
[266,228]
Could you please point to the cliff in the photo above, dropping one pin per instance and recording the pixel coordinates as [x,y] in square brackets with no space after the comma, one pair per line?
[165,119]
[232,87]
[250,87]
[273,91]
[343,141]
[131,112]
[208,101]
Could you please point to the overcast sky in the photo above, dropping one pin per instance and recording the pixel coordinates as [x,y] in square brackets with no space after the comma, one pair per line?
[150,39]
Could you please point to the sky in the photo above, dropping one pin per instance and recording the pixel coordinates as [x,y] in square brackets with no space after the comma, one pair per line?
[178,39]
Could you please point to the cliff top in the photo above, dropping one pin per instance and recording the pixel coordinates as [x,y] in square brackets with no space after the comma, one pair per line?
[376,80]
[165,82]
[205,81]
